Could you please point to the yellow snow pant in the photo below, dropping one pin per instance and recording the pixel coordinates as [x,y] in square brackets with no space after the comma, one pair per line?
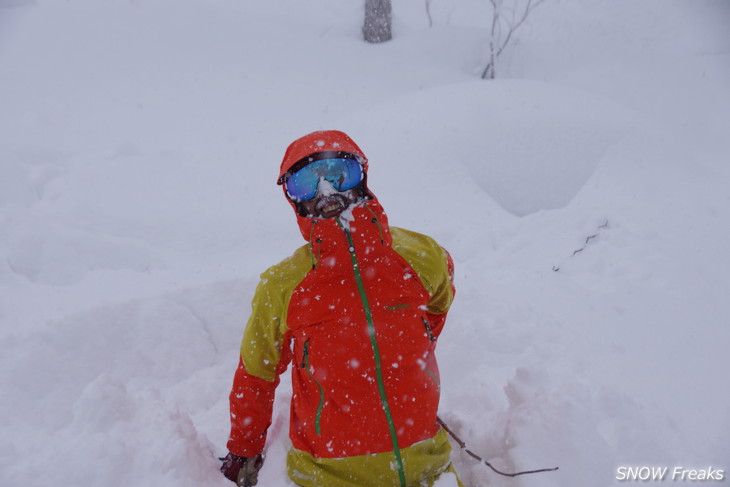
[424,462]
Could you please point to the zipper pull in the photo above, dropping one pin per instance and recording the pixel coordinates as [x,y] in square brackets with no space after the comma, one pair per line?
[305,355]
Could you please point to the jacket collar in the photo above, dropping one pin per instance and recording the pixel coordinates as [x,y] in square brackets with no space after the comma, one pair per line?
[366,222]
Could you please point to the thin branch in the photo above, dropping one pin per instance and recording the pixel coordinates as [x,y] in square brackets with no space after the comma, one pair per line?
[428,13]
[585,244]
[461,443]
[511,26]
[489,70]
[529,7]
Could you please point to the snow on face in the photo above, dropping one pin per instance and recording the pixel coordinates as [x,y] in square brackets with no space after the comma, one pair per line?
[329,202]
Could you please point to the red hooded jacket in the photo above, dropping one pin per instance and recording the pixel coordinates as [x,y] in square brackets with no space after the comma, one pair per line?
[357,310]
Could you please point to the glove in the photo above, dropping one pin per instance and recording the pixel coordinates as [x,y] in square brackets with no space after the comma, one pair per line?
[244,471]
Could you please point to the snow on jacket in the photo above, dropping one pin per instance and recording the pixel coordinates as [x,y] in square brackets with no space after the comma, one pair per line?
[357,311]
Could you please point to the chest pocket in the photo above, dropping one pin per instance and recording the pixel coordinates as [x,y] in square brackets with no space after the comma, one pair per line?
[304,364]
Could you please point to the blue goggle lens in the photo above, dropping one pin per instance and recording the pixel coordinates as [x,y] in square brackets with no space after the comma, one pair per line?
[342,173]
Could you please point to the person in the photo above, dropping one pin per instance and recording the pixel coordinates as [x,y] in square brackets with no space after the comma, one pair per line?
[357,311]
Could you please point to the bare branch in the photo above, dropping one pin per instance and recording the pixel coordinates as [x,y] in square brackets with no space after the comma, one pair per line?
[511,26]
[585,244]
[461,444]
[489,71]
[529,7]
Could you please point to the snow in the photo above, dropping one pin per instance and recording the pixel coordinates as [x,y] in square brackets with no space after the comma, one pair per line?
[139,152]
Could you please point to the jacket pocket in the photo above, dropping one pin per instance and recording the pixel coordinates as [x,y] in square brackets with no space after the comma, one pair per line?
[308,370]
[431,338]
[429,332]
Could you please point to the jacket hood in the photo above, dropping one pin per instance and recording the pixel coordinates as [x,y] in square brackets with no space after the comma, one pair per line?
[309,145]
[321,141]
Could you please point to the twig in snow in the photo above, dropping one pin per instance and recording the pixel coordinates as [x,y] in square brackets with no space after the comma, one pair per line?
[585,244]
[480,459]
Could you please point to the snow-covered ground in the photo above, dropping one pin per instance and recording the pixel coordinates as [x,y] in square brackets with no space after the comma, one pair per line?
[584,196]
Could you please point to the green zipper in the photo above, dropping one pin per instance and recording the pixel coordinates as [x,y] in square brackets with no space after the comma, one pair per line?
[305,366]
[376,352]
[433,376]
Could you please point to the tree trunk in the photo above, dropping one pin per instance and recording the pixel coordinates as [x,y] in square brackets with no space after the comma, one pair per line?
[377,21]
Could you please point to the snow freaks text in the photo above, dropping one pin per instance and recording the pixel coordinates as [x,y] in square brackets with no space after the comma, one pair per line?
[647,474]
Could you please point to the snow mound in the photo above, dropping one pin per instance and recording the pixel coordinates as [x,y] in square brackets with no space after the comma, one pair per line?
[132,435]
[529,145]
[104,395]
[61,255]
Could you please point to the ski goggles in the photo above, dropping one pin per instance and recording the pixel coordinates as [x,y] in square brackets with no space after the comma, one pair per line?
[342,173]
